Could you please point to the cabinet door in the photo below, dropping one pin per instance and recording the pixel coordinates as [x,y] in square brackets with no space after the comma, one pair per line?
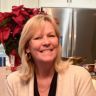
[29,3]
[6,5]
[83,3]
[53,3]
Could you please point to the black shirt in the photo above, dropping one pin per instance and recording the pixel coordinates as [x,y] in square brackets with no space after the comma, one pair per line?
[52,90]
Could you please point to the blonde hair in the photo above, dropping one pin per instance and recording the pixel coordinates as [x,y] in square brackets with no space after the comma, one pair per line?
[27,68]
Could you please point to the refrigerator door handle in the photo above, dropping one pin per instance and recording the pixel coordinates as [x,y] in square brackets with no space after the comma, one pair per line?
[74,32]
[69,47]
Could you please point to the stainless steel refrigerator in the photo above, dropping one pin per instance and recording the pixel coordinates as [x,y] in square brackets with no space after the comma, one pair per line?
[78,32]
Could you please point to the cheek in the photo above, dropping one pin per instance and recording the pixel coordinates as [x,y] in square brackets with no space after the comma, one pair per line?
[32,49]
[55,42]
[34,45]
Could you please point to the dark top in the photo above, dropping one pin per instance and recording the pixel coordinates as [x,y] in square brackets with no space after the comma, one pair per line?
[52,91]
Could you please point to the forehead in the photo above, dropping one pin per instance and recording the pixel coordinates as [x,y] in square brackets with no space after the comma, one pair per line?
[43,26]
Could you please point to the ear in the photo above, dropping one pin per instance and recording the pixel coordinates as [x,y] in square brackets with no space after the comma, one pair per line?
[27,50]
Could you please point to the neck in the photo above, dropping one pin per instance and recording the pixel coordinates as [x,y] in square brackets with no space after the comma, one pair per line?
[44,70]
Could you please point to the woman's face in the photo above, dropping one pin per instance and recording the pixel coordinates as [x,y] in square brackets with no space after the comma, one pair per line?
[44,44]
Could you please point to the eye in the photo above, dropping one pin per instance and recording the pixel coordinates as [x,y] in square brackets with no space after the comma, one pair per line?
[37,38]
[52,35]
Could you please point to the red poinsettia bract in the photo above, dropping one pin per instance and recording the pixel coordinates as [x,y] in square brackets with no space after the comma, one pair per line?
[11,25]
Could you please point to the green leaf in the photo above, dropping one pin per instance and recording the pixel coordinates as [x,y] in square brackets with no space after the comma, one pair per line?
[5,21]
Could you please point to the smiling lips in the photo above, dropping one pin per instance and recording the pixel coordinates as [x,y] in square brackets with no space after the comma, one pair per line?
[46,50]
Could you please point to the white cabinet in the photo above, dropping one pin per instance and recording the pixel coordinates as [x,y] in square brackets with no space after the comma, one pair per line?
[53,3]
[83,3]
[29,3]
[68,3]
[6,5]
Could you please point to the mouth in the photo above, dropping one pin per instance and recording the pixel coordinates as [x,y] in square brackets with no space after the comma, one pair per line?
[46,50]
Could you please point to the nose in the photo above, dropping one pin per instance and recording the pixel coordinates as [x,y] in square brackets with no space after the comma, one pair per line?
[46,41]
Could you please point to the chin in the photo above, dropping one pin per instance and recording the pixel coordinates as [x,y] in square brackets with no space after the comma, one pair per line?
[48,59]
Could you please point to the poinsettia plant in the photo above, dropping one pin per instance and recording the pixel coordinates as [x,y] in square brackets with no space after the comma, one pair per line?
[11,25]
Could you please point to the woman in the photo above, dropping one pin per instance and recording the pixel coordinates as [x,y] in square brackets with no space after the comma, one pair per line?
[42,71]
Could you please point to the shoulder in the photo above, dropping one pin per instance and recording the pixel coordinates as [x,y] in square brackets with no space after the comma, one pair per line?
[79,71]
[13,77]
[79,75]
[76,72]
[82,80]
[74,69]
